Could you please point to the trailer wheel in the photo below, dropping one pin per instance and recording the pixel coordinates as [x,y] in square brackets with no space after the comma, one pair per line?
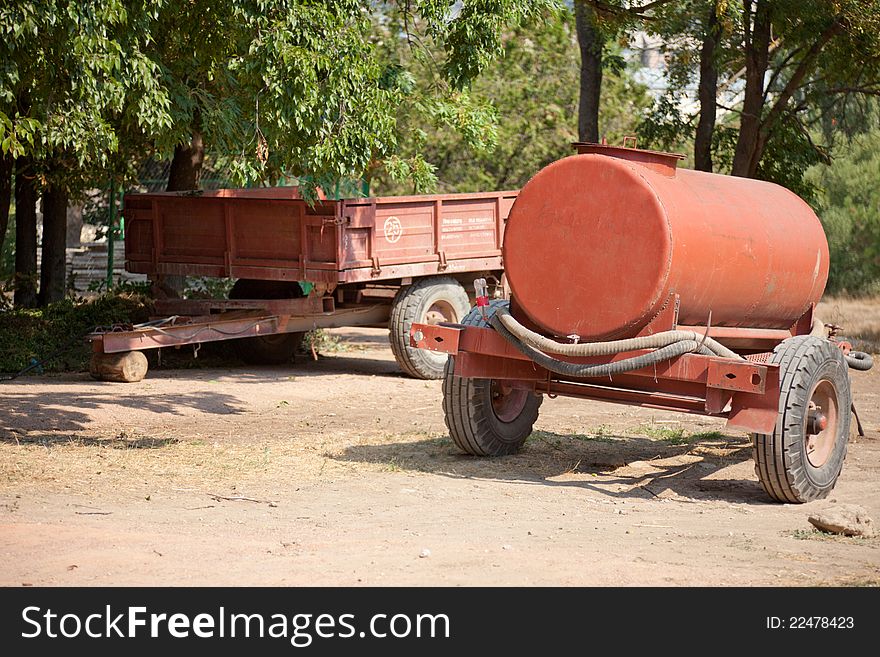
[802,459]
[428,301]
[487,417]
[276,349]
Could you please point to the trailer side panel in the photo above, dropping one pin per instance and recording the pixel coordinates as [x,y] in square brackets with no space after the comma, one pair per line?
[274,235]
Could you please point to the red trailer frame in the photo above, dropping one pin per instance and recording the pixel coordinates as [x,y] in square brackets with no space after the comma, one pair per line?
[746,393]
[363,262]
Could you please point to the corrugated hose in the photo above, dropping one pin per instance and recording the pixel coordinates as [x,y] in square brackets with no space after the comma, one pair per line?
[859,360]
[666,345]
[587,349]
[665,352]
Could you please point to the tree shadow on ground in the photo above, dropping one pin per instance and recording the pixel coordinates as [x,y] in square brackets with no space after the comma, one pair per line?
[619,466]
[41,417]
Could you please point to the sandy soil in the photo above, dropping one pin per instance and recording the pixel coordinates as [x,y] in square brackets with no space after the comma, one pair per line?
[340,472]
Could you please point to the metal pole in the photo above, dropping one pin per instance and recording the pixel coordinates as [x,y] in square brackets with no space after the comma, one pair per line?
[120,222]
[111,235]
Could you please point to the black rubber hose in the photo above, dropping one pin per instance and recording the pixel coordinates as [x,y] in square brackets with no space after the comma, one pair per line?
[604,369]
[859,360]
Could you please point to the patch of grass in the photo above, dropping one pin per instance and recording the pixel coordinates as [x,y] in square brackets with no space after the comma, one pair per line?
[706,435]
[126,440]
[393,465]
[122,440]
[817,535]
[802,534]
[439,441]
[602,432]
[673,436]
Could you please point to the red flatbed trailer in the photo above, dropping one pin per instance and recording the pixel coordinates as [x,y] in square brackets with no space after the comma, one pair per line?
[386,261]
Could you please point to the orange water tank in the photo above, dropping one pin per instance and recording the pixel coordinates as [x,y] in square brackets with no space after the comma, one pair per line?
[596,243]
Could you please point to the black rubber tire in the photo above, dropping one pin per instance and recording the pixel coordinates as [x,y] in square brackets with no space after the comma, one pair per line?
[470,414]
[411,304]
[277,349]
[781,459]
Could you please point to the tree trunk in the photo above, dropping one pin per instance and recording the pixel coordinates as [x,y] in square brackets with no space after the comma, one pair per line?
[6,165]
[74,225]
[185,174]
[53,268]
[708,92]
[757,56]
[591,43]
[25,235]
[780,100]
[186,167]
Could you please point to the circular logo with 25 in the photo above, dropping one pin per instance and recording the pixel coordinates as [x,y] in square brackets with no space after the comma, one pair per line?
[393,229]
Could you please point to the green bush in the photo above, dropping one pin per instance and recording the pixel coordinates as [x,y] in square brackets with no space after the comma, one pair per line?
[849,206]
[32,335]
[205,287]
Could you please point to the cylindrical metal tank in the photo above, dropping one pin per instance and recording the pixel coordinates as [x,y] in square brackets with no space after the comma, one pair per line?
[596,243]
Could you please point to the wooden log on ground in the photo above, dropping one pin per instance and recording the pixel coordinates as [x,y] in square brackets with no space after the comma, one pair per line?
[125,367]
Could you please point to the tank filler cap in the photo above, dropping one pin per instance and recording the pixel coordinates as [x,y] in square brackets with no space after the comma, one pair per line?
[663,163]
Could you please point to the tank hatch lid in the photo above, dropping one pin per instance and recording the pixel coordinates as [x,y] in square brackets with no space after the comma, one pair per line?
[664,163]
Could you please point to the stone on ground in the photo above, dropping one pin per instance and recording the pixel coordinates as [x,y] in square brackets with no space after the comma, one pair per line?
[846,519]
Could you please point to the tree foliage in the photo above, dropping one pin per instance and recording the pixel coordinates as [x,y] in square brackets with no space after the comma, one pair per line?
[275,85]
[849,206]
[418,95]
[271,88]
[784,68]
[527,106]
[72,74]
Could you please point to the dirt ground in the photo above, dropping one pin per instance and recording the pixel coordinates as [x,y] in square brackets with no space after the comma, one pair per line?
[340,472]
